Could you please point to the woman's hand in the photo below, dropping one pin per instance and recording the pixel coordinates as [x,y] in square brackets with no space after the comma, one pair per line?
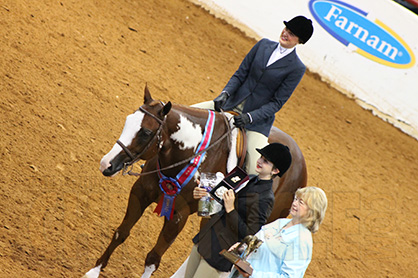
[234,246]
[199,192]
[229,198]
[243,274]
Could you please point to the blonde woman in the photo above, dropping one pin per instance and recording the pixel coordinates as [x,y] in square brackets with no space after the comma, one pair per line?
[287,243]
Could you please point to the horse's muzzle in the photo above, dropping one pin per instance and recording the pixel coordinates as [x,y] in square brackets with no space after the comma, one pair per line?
[112,170]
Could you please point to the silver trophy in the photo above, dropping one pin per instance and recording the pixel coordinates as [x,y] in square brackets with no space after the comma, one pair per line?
[207,181]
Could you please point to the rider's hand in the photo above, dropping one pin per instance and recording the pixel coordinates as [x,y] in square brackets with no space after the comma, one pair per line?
[220,101]
[199,192]
[242,120]
[229,198]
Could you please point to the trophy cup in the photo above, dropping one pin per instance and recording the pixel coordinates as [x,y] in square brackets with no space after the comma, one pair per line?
[207,181]
[238,256]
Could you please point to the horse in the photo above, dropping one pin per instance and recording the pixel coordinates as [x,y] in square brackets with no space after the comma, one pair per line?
[167,136]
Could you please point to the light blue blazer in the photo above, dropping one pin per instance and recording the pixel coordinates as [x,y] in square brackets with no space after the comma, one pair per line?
[285,253]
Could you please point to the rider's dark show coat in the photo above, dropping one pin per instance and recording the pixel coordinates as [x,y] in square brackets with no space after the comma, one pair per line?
[253,205]
[264,89]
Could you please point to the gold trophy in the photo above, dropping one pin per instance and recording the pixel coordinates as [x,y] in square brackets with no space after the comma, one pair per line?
[238,256]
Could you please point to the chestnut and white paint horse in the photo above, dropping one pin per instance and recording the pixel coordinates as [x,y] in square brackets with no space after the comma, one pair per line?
[169,136]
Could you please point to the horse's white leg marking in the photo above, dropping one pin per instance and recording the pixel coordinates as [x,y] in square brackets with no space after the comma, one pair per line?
[93,273]
[232,157]
[116,235]
[132,126]
[189,134]
[149,269]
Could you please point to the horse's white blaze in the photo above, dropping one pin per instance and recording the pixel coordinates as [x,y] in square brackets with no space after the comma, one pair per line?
[132,126]
[149,269]
[93,273]
[189,134]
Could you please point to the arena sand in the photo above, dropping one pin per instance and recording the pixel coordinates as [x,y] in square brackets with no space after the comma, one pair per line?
[71,71]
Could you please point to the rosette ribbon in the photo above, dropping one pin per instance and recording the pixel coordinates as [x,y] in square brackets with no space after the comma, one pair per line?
[171,186]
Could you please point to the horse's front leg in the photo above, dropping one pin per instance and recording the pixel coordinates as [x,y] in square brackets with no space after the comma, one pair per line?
[139,199]
[167,236]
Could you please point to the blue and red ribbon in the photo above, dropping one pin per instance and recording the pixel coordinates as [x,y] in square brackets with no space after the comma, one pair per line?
[170,186]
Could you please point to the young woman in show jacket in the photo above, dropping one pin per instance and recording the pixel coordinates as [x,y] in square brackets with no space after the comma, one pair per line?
[263,83]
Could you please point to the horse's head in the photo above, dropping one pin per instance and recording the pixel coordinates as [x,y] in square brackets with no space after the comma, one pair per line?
[140,136]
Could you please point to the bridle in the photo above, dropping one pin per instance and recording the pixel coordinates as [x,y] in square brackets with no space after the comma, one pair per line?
[157,135]
[129,164]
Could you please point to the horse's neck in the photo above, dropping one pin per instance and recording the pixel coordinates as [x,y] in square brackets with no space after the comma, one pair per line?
[197,116]
[183,134]
[187,118]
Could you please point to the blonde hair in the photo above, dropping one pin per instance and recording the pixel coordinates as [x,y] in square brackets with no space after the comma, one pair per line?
[317,202]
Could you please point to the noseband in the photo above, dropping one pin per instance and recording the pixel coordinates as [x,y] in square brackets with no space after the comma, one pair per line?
[157,136]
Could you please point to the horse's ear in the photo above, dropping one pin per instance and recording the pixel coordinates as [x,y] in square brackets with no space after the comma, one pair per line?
[166,108]
[147,95]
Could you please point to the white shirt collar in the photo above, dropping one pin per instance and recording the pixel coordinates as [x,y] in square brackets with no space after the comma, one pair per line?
[279,53]
[283,50]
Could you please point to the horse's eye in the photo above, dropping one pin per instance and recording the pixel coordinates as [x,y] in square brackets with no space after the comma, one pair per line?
[144,134]
[147,132]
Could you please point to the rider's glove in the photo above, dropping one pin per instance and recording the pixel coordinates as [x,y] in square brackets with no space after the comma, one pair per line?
[220,100]
[242,120]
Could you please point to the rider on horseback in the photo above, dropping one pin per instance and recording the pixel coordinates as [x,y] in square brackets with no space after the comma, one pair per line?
[263,83]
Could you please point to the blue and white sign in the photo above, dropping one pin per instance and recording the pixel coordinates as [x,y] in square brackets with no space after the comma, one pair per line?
[374,40]
[383,78]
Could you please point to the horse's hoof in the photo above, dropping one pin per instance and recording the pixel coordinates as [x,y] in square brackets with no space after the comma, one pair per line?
[93,273]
